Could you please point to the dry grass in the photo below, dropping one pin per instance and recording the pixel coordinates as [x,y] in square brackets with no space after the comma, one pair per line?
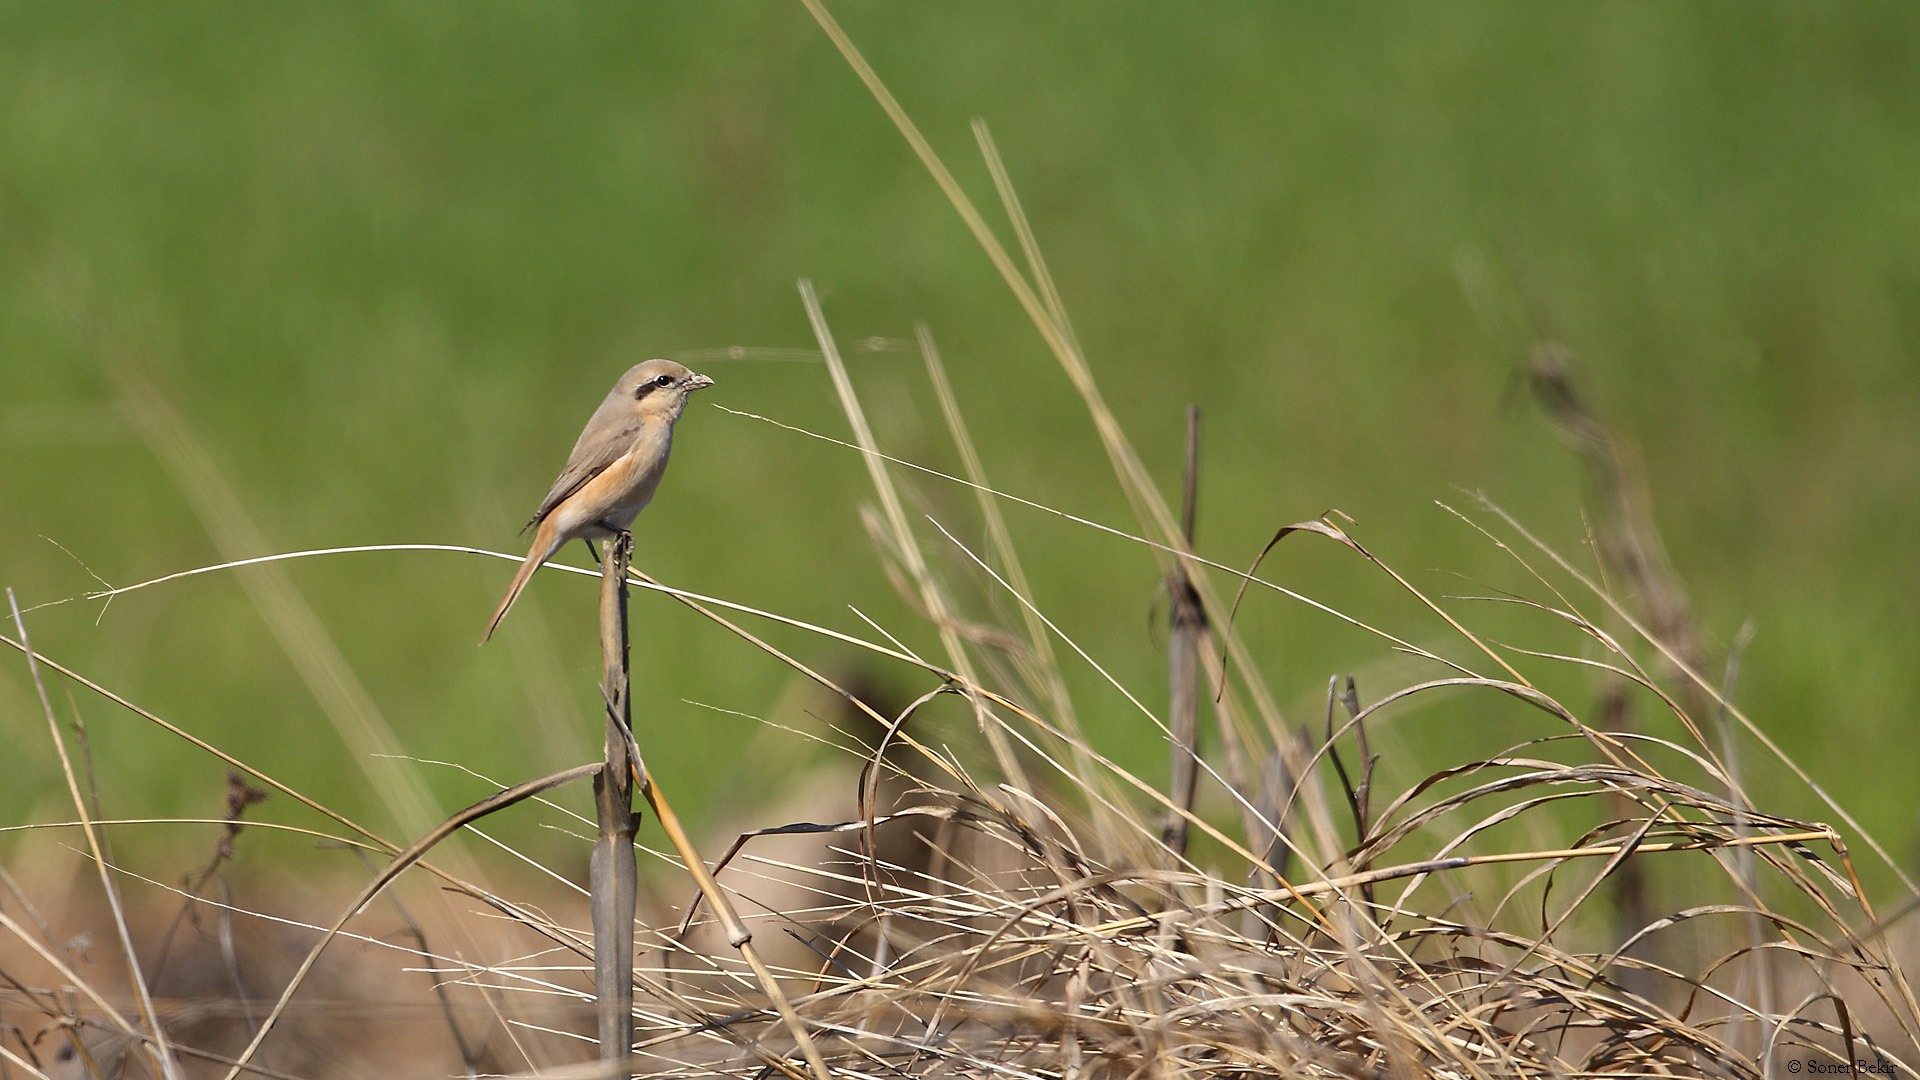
[952,923]
[1003,900]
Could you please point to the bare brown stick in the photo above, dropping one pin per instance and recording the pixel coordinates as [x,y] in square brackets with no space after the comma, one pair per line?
[1186,624]
[240,795]
[613,862]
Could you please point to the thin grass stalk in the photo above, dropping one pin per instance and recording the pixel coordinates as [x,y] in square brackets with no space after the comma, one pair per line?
[8,1055]
[705,605]
[159,1048]
[1023,231]
[1128,467]
[1690,674]
[1135,482]
[1053,687]
[492,804]
[408,856]
[1432,866]
[1112,768]
[349,708]
[613,870]
[1149,507]
[70,977]
[1746,873]
[931,597]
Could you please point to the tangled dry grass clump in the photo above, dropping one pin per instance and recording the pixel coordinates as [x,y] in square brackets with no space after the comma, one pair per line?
[1003,900]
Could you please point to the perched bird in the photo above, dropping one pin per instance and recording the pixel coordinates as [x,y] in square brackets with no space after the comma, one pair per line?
[614,468]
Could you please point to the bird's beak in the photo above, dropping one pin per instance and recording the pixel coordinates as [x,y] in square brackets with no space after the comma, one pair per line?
[697,382]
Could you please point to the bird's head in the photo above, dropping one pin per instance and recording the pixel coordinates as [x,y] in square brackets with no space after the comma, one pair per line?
[659,388]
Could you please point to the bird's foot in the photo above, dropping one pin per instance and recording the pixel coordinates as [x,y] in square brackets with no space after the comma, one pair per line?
[620,544]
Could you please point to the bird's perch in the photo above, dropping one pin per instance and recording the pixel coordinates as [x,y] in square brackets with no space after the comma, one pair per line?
[613,863]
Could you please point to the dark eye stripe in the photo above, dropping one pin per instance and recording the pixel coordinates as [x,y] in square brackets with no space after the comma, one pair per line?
[658,382]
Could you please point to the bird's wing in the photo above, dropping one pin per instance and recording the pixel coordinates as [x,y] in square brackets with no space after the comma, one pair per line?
[600,445]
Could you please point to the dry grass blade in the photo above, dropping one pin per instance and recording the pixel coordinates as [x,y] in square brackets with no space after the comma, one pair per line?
[163,1054]
[1046,669]
[1697,679]
[934,600]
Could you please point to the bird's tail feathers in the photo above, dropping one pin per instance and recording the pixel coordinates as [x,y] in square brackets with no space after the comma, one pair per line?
[545,543]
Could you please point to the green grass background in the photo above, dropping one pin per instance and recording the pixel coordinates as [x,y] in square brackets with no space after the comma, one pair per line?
[385,259]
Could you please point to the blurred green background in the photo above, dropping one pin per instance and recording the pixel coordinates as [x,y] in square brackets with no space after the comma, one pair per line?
[385,259]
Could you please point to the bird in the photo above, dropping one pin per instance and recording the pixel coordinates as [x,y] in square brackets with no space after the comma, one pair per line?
[613,470]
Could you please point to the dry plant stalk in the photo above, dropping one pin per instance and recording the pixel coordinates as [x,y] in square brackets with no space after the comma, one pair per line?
[612,870]
[1186,626]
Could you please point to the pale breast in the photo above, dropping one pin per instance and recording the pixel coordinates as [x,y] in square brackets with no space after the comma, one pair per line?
[618,494]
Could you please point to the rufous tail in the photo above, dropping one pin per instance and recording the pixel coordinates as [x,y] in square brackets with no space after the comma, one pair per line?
[546,541]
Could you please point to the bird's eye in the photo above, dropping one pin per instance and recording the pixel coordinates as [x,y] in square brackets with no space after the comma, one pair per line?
[663,381]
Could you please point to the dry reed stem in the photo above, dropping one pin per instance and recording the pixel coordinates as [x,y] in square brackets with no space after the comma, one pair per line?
[612,864]
[1186,624]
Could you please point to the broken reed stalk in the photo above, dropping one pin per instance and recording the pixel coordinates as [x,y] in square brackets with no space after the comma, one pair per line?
[1627,545]
[613,862]
[1186,624]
